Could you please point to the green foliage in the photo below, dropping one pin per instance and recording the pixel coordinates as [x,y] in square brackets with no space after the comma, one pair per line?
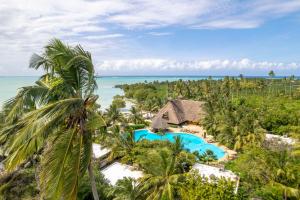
[271,74]
[239,111]
[164,165]
[20,185]
[185,161]
[127,189]
[124,147]
[135,116]
[206,157]
[276,173]
[279,115]
[103,188]
[113,115]
[232,123]
[148,96]
[196,188]
[173,126]
[56,118]
[137,126]
[118,101]
[162,162]
[231,104]
[121,144]
[139,152]
[161,175]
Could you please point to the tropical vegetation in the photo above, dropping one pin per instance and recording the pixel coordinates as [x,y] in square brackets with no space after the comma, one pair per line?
[47,131]
[54,120]
[239,113]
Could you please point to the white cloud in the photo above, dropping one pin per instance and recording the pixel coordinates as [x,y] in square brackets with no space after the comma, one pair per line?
[157,13]
[232,23]
[247,14]
[154,66]
[107,36]
[26,26]
[160,33]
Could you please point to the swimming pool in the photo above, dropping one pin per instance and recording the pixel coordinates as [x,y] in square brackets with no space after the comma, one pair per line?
[190,142]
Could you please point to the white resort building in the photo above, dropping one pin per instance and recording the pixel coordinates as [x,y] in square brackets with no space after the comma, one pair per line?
[118,171]
[209,172]
[99,151]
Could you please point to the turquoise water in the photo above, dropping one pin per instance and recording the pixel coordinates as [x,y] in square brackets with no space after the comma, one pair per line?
[106,86]
[190,142]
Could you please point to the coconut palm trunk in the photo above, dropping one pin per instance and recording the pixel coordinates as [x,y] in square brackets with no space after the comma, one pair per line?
[93,182]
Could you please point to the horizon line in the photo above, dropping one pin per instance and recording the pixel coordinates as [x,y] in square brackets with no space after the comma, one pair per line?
[103,76]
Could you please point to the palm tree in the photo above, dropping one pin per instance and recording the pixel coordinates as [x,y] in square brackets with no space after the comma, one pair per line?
[151,105]
[135,116]
[291,80]
[241,76]
[179,88]
[113,115]
[210,122]
[271,74]
[161,176]
[207,156]
[127,189]
[119,101]
[121,144]
[286,174]
[55,117]
[177,146]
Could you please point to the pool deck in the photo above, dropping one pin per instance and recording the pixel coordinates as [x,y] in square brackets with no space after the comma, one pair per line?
[200,132]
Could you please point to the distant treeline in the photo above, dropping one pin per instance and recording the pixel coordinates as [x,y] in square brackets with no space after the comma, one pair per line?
[268,97]
[237,86]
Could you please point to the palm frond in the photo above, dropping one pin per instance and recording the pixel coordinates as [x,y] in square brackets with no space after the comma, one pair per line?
[57,116]
[56,159]
[64,161]
[27,99]
[35,127]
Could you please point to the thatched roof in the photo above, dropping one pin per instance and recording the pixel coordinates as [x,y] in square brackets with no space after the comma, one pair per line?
[178,112]
[159,123]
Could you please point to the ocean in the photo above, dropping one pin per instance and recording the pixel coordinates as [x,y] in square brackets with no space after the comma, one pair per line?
[106,85]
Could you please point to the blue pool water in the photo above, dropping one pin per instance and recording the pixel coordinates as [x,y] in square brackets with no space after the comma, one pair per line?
[190,142]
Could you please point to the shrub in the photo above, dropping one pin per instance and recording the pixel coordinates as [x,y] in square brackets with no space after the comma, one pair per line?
[21,185]
[137,126]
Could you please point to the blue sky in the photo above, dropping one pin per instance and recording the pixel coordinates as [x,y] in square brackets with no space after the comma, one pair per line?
[154,37]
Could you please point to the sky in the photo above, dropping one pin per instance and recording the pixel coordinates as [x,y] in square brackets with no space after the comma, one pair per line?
[157,37]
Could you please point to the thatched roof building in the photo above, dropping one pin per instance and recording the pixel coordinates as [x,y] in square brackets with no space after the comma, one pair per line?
[178,112]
